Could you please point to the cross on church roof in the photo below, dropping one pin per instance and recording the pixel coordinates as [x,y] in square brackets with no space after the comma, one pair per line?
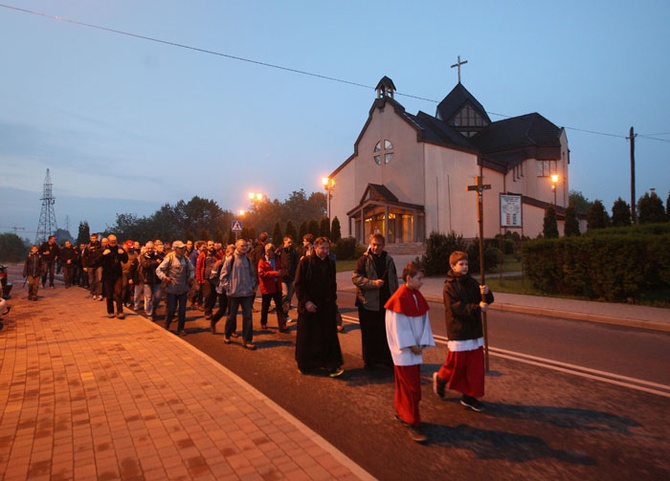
[458,65]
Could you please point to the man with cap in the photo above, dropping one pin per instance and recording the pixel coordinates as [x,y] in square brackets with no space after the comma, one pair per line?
[177,272]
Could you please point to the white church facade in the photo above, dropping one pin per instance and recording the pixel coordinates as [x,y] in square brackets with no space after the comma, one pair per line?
[409,174]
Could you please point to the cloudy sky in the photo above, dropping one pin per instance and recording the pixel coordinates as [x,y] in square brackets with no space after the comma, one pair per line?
[134,104]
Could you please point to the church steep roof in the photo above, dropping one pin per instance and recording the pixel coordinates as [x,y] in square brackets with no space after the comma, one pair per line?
[455,100]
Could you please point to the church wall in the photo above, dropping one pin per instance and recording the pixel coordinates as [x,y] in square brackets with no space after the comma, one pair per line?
[449,205]
[403,175]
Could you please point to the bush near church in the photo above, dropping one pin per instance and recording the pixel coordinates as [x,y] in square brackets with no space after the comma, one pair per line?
[616,264]
[439,247]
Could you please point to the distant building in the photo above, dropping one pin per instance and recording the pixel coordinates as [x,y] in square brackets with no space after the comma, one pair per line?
[408,175]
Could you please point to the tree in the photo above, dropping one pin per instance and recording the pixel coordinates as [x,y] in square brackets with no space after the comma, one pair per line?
[303,229]
[324,228]
[571,223]
[335,230]
[621,216]
[290,230]
[277,236]
[580,202]
[550,227]
[596,217]
[667,208]
[650,209]
[313,227]
[12,248]
[84,233]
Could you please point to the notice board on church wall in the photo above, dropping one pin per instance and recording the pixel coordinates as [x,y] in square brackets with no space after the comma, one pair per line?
[510,211]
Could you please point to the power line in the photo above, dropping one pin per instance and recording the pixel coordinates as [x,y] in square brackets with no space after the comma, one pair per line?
[278,67]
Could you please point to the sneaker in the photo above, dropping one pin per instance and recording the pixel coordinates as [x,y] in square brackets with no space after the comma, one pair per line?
[472,403]
[110,314]
[438,386]
[182,333]
[249,345]
[337,372]
[100,298]
[226,340]
[121,315]
[415,434]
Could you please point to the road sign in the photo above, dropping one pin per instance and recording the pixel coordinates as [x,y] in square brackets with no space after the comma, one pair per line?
[236,226]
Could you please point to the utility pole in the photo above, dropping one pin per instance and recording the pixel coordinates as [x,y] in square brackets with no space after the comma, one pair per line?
[633,209]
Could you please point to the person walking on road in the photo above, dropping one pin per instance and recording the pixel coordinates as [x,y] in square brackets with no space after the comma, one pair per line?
[112,260]
[317,345]
[464,301]
[375,278]
[177,272]
[408,332]
[32,270]
[239,282]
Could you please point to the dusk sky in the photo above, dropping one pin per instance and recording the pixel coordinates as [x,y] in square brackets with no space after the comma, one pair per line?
[156,101]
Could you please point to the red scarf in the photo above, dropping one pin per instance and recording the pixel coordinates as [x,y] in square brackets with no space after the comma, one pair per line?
[403,301]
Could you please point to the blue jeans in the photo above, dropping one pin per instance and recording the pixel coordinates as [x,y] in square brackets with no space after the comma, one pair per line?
[247,321]
[152,297]
[172,301]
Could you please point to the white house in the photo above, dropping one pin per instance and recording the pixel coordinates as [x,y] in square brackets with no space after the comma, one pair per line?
[409,174]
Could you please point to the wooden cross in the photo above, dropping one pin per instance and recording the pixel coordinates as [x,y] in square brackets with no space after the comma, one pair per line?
[458,65]
[480,187]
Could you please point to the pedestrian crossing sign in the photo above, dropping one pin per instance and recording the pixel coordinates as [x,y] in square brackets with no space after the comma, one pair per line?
[236,226]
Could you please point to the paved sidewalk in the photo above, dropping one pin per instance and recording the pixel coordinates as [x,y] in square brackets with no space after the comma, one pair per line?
[84,397]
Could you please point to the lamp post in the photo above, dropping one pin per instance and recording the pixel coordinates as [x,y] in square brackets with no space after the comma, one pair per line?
[554,181]
[328,184]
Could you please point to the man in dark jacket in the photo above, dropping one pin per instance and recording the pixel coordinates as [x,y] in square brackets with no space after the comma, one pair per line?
[90,260]
[49,252]
[111,261]
[68,257]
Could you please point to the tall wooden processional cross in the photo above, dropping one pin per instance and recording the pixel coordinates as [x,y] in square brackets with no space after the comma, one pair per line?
[480,187]
[458,65]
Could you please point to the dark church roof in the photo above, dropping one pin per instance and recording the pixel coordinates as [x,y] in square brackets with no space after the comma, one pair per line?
[458,98]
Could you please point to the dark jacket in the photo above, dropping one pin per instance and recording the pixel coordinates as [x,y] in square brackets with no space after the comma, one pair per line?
[49,252]
[111,262]
[91,255]
[369,296]
[68,254]
[461,307]
[148,265]
[288,259]
[33,265]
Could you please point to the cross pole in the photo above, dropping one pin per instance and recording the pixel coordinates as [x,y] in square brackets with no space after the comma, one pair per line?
[458,65]
[480,187]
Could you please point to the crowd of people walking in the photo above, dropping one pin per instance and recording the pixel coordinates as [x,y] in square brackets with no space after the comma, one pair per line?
[393,317]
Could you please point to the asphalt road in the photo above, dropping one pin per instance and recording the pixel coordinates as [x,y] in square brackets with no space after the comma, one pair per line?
[541,423]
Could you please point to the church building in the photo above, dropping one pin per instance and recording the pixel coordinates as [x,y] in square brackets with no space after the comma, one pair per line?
[409,174]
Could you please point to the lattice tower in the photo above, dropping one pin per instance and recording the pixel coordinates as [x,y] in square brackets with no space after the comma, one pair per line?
[47,225]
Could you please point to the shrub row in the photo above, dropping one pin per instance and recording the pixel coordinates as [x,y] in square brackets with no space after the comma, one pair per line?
[612,267]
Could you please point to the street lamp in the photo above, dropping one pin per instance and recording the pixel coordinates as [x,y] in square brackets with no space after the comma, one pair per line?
[554,181]
[255,197]
[329,185]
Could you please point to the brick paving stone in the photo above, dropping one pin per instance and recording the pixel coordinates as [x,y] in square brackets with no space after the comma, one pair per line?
[84,397]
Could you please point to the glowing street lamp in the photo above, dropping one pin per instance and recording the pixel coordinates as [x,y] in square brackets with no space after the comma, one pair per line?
[329,185]
[554,181]
[255,196]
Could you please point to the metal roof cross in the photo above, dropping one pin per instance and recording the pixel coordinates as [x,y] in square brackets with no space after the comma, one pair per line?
[458,65]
